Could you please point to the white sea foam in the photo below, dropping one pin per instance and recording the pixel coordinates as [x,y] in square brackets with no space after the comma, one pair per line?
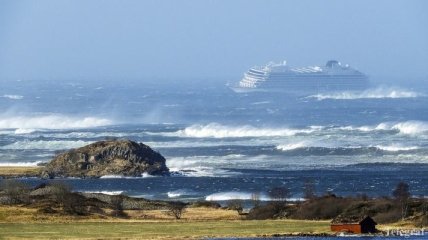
[45,145]
[19,164]
[13,96]
[113,176]
[396,148]
[106,192]
[226,196]
[369,94]
[24,131]
[179,192]
[214,130]
[51,122]
[291,146]
[407,127]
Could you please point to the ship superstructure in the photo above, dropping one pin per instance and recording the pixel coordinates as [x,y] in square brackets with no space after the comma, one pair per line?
[280,77]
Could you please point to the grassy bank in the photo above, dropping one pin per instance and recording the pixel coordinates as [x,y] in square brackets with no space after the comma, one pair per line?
[159,230]
[18,222]
[11,172]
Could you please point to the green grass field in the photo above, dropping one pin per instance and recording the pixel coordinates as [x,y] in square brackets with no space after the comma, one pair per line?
[158,230]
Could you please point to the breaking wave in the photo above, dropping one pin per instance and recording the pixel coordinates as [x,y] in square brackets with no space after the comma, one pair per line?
[369,94]
[214,130]
[13,97]
[179,193]
[301,148]
[51,122]
[291,146]
[105,192]
[45,145]
[407,127]
[225,196]
[397,148]
[19,164]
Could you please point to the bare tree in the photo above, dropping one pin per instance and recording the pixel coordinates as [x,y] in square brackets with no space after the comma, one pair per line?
[117,205]
[279,194]
[255,198]
[309,189]
[176,209]
[15,191]
[60,192]
[401,194]
[236,204]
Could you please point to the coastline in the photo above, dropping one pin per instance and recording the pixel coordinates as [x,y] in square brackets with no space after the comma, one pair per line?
[31,221]
[19,171]
[20,222]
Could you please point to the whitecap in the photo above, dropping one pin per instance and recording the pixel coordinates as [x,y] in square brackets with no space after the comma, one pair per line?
[291,146]
[51,122]
[106,192]
[411,127]
[232,195]
[179,193]
[377,93]
[396,148]
[13,96]
[24,131]
[214,130]
[19,164]
[45,145]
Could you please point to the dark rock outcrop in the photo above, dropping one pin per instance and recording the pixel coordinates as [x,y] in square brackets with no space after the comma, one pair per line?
[113,157]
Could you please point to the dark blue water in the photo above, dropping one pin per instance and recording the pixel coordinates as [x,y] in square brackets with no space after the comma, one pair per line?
[221,144]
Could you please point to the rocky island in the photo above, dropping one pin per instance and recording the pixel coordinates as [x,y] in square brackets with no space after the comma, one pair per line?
[110,157]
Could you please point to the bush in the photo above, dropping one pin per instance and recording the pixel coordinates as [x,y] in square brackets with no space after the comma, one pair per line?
[117,206]
[326,207]
[176,209]
[15,192]
[235,204]
[263,212]
[206,204]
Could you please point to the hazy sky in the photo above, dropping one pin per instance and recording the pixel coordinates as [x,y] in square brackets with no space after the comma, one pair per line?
[221,39]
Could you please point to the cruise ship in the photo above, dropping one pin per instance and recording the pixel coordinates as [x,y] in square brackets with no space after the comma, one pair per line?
[279,77]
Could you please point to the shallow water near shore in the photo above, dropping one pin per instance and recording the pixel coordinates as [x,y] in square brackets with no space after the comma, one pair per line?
[219,144]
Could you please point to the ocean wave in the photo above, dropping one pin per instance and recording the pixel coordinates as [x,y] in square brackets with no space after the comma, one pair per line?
[105,192]
[114,176]
[179,193]
[45,145]
[51,122]
[302,148]
[369,94]
[13,96]
[291,146]
[396,148]
[19,164]
[24,131]
[411,127]
[214,130]
[226,196]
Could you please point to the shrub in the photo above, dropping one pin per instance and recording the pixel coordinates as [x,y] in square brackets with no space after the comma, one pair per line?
[263,212]
[15,191]
[236,204]
[176,209]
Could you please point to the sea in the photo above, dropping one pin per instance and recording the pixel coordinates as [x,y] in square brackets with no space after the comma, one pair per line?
[222,145]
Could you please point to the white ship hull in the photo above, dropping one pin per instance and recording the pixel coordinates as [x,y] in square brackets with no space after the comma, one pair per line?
[280,78]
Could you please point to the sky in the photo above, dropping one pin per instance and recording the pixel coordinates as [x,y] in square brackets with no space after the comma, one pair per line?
[194,39]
